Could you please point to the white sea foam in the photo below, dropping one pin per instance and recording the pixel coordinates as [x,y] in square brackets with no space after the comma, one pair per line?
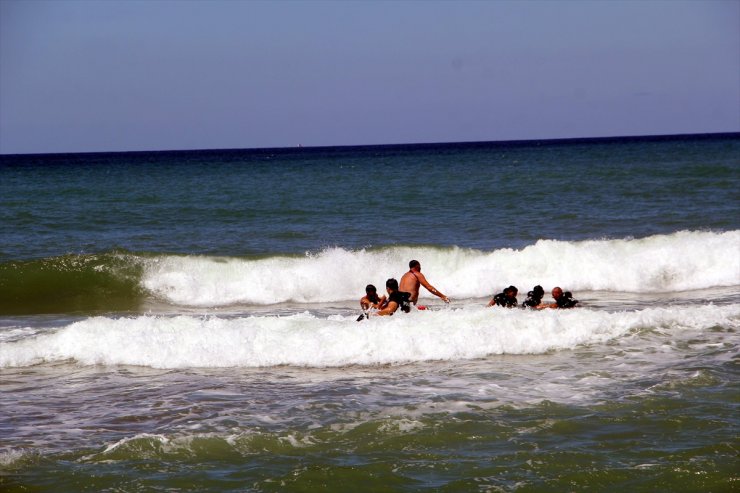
[11,457]
[681,261]
[8,334]
[306,340]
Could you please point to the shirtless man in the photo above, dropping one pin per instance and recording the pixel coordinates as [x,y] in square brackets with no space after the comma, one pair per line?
[411,281]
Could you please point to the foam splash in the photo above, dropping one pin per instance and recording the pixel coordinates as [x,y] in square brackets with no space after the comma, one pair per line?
[664,263]
[10,458]
[308,341]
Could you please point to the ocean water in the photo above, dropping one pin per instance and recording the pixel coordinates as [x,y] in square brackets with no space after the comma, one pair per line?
[186,321]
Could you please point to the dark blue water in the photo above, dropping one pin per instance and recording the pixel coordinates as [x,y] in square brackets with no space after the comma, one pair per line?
[262,202]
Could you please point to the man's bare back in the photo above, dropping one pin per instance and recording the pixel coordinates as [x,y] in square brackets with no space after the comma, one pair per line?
[411,281]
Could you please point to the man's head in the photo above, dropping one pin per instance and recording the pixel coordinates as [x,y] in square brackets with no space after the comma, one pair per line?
[538,291]
[370,289]
[511,291]
[391,285]
[557,292]
[415,265]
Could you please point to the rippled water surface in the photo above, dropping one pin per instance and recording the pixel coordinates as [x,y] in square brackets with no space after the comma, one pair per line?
[187,321]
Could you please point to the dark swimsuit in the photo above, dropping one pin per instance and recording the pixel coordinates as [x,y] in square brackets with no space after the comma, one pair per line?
[502,300]
[566,302]
[532,300]
[402,299]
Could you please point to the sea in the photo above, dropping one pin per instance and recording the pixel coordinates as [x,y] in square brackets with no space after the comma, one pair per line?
[187,320]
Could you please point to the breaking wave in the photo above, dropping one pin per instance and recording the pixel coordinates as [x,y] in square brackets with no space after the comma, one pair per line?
[682,261]
[306,340]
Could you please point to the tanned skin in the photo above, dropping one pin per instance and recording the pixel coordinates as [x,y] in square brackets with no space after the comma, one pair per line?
[411,281]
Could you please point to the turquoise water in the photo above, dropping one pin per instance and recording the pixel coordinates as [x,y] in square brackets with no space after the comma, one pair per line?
[185,321]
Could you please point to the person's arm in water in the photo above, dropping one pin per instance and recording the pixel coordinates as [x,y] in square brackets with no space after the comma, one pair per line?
[557,292]
[423,281]
[543,305]
[366,303]
[389,309]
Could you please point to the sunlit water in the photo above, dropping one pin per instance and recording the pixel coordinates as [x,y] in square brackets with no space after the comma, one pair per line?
[188,321]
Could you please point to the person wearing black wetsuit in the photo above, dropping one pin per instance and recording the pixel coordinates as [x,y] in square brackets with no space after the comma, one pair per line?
[534,297]
[562,299]
[507,298]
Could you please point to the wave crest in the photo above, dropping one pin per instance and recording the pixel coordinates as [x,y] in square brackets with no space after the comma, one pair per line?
[664,263]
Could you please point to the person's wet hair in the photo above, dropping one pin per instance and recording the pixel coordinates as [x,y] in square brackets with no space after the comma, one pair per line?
[414,263]
[391,284]
[534,297]
[372,293]
[566,300]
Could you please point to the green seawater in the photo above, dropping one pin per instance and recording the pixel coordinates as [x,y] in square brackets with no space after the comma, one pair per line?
[186,321]
[366,430]
[660,443]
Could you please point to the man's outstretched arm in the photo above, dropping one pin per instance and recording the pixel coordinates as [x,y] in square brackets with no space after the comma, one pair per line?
[423,281]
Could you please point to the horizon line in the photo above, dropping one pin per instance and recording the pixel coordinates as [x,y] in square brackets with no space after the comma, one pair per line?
[299,147]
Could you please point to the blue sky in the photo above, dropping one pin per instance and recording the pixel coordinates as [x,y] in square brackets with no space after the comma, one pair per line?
[79,76]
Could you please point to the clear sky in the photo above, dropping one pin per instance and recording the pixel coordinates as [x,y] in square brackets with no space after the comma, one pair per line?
[111,75]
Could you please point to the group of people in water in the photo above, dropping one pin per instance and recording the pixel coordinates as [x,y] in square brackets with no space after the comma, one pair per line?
[406,293]
[507,298]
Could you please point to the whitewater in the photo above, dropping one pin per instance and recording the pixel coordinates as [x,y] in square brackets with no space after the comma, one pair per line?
[188,320]
[307,340]
[682,261]
[301,310]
